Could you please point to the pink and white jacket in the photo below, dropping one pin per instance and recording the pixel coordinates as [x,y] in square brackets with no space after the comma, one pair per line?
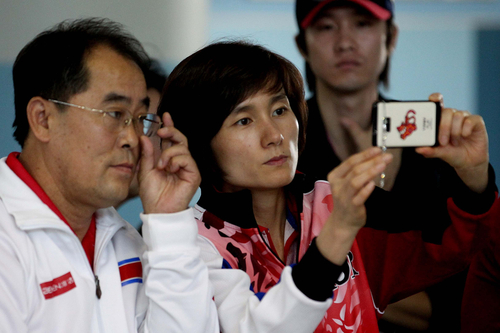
[256,291]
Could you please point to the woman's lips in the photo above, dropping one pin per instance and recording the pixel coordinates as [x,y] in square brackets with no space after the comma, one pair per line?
[278,160]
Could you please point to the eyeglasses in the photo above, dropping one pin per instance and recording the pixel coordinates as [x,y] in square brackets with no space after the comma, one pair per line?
[116,120]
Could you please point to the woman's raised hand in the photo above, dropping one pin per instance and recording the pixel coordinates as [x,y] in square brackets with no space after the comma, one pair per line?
[352,182]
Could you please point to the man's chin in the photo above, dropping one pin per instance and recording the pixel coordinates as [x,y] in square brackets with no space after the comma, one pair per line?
[118,198]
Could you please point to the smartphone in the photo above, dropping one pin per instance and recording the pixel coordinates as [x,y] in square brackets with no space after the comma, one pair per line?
[406,124]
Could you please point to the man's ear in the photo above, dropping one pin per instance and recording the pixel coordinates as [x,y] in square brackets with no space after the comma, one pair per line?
[394,39]
[301,45]
[38,112]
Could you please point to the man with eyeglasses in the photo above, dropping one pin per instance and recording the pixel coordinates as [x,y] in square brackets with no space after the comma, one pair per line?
[68,263]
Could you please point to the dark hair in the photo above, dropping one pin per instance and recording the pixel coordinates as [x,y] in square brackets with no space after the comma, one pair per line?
[53,64]
[311,78]
[155,76]
[206,87]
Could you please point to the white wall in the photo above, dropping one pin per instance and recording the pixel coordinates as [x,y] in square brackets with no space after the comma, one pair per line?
[170,30]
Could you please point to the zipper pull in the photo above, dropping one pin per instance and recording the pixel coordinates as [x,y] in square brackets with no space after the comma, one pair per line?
[98,291]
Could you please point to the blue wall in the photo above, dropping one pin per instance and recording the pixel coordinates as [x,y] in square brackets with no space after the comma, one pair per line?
[488,89]
[6,111]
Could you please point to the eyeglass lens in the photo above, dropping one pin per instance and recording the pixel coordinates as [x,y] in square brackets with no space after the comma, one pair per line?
[150,123]
[145,124]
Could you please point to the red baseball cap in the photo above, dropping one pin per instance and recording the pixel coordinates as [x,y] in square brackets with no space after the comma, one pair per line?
[306,10]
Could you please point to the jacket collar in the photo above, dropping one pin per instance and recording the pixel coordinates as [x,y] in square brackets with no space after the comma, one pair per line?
[236,208]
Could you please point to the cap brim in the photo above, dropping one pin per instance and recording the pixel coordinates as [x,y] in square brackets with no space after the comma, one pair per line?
[377,11]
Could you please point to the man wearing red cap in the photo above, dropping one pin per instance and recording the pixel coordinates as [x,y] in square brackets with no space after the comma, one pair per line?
[347,45]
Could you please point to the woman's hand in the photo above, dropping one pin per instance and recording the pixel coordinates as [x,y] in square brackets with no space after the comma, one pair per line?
[463,144]
[167,186]
[352,182]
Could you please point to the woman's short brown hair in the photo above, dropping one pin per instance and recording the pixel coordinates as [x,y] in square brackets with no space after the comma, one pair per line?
[206,87]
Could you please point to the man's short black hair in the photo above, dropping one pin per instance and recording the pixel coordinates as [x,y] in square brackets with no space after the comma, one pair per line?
[53,64]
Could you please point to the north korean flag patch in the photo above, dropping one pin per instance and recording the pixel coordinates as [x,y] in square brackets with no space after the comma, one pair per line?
[130,271]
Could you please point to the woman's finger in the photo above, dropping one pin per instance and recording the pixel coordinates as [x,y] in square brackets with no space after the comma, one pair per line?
[346,166]
[362,195]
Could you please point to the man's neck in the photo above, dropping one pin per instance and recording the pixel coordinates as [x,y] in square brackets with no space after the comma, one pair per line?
[77,215]
[336,105]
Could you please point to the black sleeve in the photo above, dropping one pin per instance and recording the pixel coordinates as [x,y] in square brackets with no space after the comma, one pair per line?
[315,275]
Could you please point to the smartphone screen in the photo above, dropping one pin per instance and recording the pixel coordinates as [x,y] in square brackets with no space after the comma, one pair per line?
[406,123]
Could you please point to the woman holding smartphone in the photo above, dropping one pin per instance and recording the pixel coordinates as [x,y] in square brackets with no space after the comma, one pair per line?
[276,242]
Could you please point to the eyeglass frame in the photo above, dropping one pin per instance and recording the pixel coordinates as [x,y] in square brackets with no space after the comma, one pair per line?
[105,113]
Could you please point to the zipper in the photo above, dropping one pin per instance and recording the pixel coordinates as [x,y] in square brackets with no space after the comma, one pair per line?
[98,291]
[289,215]
[269,247]
[98,252]
[102,245]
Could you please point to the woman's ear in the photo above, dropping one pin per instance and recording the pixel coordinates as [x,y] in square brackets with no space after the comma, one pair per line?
[38,112]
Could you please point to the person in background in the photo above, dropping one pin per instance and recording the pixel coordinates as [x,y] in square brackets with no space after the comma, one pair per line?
[347,46]
[68,263]
[277,242]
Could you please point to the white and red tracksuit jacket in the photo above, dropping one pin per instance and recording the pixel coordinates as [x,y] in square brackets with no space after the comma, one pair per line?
[47,284]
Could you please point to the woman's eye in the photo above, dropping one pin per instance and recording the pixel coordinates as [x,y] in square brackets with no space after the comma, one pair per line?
[279,112]
[243,121]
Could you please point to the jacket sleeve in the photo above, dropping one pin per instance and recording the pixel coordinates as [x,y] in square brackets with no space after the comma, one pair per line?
[13,290]
[400,262]
[480,310]
[284,308]
[179,294]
